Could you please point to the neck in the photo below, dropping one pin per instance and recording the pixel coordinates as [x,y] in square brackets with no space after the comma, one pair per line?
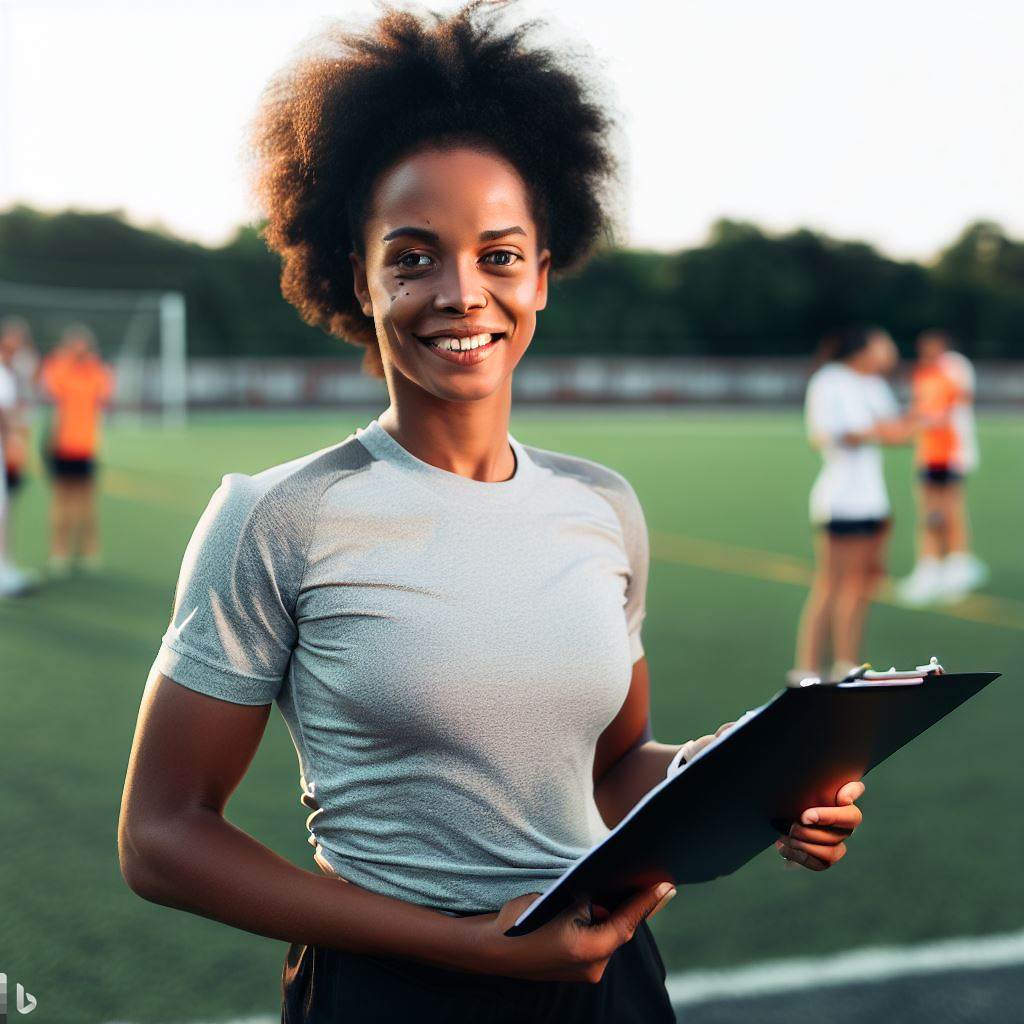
[469,438]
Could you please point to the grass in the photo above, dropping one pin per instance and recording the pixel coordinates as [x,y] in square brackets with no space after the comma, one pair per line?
[938,855]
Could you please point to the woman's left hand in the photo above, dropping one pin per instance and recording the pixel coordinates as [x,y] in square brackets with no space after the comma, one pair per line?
[818,839]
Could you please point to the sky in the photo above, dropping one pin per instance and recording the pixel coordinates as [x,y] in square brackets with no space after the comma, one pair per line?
[896,122]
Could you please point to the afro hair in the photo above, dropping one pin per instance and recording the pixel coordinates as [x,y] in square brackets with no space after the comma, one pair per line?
[354,103]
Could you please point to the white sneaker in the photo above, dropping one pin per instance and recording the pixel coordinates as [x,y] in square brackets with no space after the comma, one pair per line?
[924,585]
[962,572]
[14,582]
[796,676]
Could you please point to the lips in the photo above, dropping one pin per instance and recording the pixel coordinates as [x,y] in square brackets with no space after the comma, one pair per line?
[462,357]
[461,342]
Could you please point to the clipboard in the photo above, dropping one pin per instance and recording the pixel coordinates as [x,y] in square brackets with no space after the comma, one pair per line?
[738,794]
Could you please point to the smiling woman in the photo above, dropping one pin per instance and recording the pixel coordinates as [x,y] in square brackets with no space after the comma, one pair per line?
[449,620]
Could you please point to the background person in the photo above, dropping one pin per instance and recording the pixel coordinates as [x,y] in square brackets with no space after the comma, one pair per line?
[942,389]
[13,582]
[80,385]
[16,365]
[450,620]
[850,411]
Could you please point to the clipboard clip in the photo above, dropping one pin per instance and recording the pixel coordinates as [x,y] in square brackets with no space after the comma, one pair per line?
[864,674]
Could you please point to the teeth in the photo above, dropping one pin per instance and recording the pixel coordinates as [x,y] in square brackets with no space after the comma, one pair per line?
[460,344]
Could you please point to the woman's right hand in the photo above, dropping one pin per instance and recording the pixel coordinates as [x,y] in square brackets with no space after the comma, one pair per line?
[574,946]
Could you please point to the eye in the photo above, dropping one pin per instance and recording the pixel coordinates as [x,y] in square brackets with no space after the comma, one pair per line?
[505,252]
[414,256]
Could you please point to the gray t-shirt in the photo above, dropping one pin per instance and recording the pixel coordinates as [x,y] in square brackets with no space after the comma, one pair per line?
[445,653]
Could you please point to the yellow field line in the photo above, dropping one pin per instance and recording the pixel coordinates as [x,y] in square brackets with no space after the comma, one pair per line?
[124,486]
[768,565]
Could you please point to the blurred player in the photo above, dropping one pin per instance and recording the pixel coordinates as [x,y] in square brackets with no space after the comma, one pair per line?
[19,356]
[80,384]
[13,582]
[850,410]
[947,450]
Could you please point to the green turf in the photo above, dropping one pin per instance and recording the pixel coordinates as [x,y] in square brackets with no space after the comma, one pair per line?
[939,853]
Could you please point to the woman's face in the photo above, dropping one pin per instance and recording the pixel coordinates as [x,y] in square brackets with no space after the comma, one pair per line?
[451,246]
[882,353]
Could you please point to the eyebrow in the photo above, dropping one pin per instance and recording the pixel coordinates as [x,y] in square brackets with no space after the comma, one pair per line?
[431,236]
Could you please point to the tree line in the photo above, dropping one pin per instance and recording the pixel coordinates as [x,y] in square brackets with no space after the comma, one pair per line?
[743,292]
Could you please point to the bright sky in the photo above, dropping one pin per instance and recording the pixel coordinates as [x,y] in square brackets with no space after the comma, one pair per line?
[896,121]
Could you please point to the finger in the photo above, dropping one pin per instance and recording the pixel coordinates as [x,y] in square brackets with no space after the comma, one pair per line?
[509,913]
[722,728]
[800,859]
[850,793]
[798,850]
[835,817]
[824,836]
[626,917]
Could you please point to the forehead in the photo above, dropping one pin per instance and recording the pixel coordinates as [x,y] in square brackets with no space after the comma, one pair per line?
[449,190]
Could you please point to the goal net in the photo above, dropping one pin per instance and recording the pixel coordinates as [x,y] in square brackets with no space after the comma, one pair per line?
[142,334]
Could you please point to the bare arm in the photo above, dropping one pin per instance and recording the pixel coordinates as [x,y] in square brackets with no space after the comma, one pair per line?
[177,849]
[628,761]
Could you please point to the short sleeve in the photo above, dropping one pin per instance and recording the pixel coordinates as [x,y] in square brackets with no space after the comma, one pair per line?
[638,549]
[888,407]
[232,629]
[8,389]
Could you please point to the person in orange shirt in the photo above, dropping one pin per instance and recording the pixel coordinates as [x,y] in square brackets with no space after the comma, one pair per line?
[79,384]
[942,393]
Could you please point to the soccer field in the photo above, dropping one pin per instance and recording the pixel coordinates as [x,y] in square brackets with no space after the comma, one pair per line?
[725,496]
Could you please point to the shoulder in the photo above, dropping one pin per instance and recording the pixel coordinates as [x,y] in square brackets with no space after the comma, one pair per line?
[825,381]
[607,483]
[279,504]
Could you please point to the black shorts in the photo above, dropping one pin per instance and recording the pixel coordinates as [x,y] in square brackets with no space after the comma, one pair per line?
[14,479]
[940,474]
[325,986]
[855,527]
[64,468]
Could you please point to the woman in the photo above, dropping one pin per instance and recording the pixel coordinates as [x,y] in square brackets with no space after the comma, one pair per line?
[850,410]
[448,619]
[80,385]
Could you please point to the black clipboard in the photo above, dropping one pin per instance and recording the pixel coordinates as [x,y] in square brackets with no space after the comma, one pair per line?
[735,798]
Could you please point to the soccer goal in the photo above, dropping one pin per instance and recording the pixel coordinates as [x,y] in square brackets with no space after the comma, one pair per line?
[142,334]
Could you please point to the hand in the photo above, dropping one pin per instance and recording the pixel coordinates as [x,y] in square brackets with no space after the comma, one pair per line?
[575,946]
[817,841]
[693,747]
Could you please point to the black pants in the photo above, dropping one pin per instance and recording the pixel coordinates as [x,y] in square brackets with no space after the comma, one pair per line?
[326,986]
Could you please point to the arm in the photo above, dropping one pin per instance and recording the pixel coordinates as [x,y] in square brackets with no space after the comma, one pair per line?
[177,849]
[628,762]
[890,432]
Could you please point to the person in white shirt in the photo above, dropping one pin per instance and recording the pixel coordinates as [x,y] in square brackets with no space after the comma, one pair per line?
[13,582]
[850,410]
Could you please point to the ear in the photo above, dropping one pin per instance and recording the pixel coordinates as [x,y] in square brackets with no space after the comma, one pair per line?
[362,290]
[543,269]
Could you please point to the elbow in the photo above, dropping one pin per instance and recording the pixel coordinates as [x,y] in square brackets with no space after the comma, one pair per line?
[139,857]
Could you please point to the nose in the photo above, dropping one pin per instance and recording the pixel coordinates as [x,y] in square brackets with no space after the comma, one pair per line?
[459,289]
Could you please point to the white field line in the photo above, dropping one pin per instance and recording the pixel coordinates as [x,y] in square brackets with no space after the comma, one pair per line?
[857,966]
[875,964]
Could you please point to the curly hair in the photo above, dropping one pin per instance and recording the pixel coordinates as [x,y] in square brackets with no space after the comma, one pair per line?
[347,109]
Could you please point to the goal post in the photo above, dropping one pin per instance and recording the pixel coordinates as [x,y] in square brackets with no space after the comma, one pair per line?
[142,333]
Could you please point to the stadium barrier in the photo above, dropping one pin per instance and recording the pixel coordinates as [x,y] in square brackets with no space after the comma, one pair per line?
[297,383]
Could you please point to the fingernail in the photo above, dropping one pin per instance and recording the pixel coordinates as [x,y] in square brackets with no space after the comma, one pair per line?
[662,902]
[809,817]
[667,888]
